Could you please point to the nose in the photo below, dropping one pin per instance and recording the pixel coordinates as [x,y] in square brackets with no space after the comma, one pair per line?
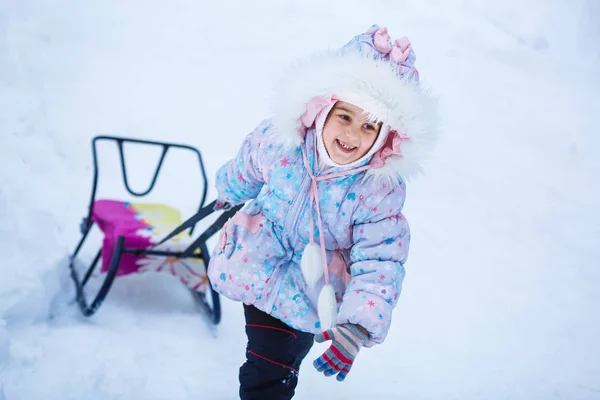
[352,134]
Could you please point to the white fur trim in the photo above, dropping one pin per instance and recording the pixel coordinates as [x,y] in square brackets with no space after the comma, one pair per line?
[370,85]
[311,264]
[327,307]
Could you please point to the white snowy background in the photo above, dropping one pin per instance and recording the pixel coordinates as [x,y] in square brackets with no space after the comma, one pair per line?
[502,294]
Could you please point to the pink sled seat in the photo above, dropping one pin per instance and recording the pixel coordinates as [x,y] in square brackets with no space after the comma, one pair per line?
[142,225]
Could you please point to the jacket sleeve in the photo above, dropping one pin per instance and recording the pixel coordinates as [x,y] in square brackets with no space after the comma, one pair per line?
[380,249]
[241,178]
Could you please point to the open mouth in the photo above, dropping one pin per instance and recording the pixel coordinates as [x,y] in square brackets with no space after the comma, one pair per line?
[345,147]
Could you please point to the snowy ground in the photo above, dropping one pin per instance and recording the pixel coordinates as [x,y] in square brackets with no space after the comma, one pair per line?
[501,297]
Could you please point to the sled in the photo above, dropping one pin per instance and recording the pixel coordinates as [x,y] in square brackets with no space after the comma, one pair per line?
[143,237]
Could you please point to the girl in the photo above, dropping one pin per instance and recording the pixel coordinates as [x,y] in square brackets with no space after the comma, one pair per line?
[321,245]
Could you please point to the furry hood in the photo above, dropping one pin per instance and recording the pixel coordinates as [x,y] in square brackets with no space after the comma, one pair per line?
[377,84]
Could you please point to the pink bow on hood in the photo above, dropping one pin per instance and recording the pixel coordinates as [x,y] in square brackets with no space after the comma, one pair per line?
[314,108]
[392,147]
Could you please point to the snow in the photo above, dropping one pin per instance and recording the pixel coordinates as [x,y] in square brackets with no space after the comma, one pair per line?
[501,295]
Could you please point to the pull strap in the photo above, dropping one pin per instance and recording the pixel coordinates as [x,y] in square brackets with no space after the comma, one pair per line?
[202,213]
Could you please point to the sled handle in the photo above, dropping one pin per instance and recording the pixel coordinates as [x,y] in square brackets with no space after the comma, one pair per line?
[86,224]
[165,148]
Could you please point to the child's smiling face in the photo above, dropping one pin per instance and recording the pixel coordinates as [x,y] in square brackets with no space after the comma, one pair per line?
[348,134]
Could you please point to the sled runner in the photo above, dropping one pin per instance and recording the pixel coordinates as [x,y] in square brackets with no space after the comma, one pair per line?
[142,237]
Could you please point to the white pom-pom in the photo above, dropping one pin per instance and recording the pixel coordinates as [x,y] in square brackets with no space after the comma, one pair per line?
[312,264]
[327,307]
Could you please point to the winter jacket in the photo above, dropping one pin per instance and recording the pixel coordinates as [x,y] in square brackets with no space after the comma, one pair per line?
[366,236]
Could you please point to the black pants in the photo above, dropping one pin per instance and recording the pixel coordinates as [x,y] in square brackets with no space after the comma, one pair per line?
[273,356]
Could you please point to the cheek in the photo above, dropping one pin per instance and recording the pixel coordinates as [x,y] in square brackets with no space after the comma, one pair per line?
[328,133]
[367,142]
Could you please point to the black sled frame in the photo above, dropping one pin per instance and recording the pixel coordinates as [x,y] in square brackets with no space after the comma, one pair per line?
[213,310]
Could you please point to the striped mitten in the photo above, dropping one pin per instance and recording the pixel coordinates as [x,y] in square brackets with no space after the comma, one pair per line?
[347,341]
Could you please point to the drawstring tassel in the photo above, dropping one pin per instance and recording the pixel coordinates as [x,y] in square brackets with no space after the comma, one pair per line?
[314,257]
[312,264]
[327,307]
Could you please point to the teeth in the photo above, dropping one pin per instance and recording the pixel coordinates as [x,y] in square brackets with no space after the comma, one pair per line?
[345,146]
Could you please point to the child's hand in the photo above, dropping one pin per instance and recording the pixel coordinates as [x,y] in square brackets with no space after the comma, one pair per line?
[347,341]
[222,206]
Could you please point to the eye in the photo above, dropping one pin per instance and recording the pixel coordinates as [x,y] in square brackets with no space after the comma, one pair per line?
[369,127]
[344,117]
